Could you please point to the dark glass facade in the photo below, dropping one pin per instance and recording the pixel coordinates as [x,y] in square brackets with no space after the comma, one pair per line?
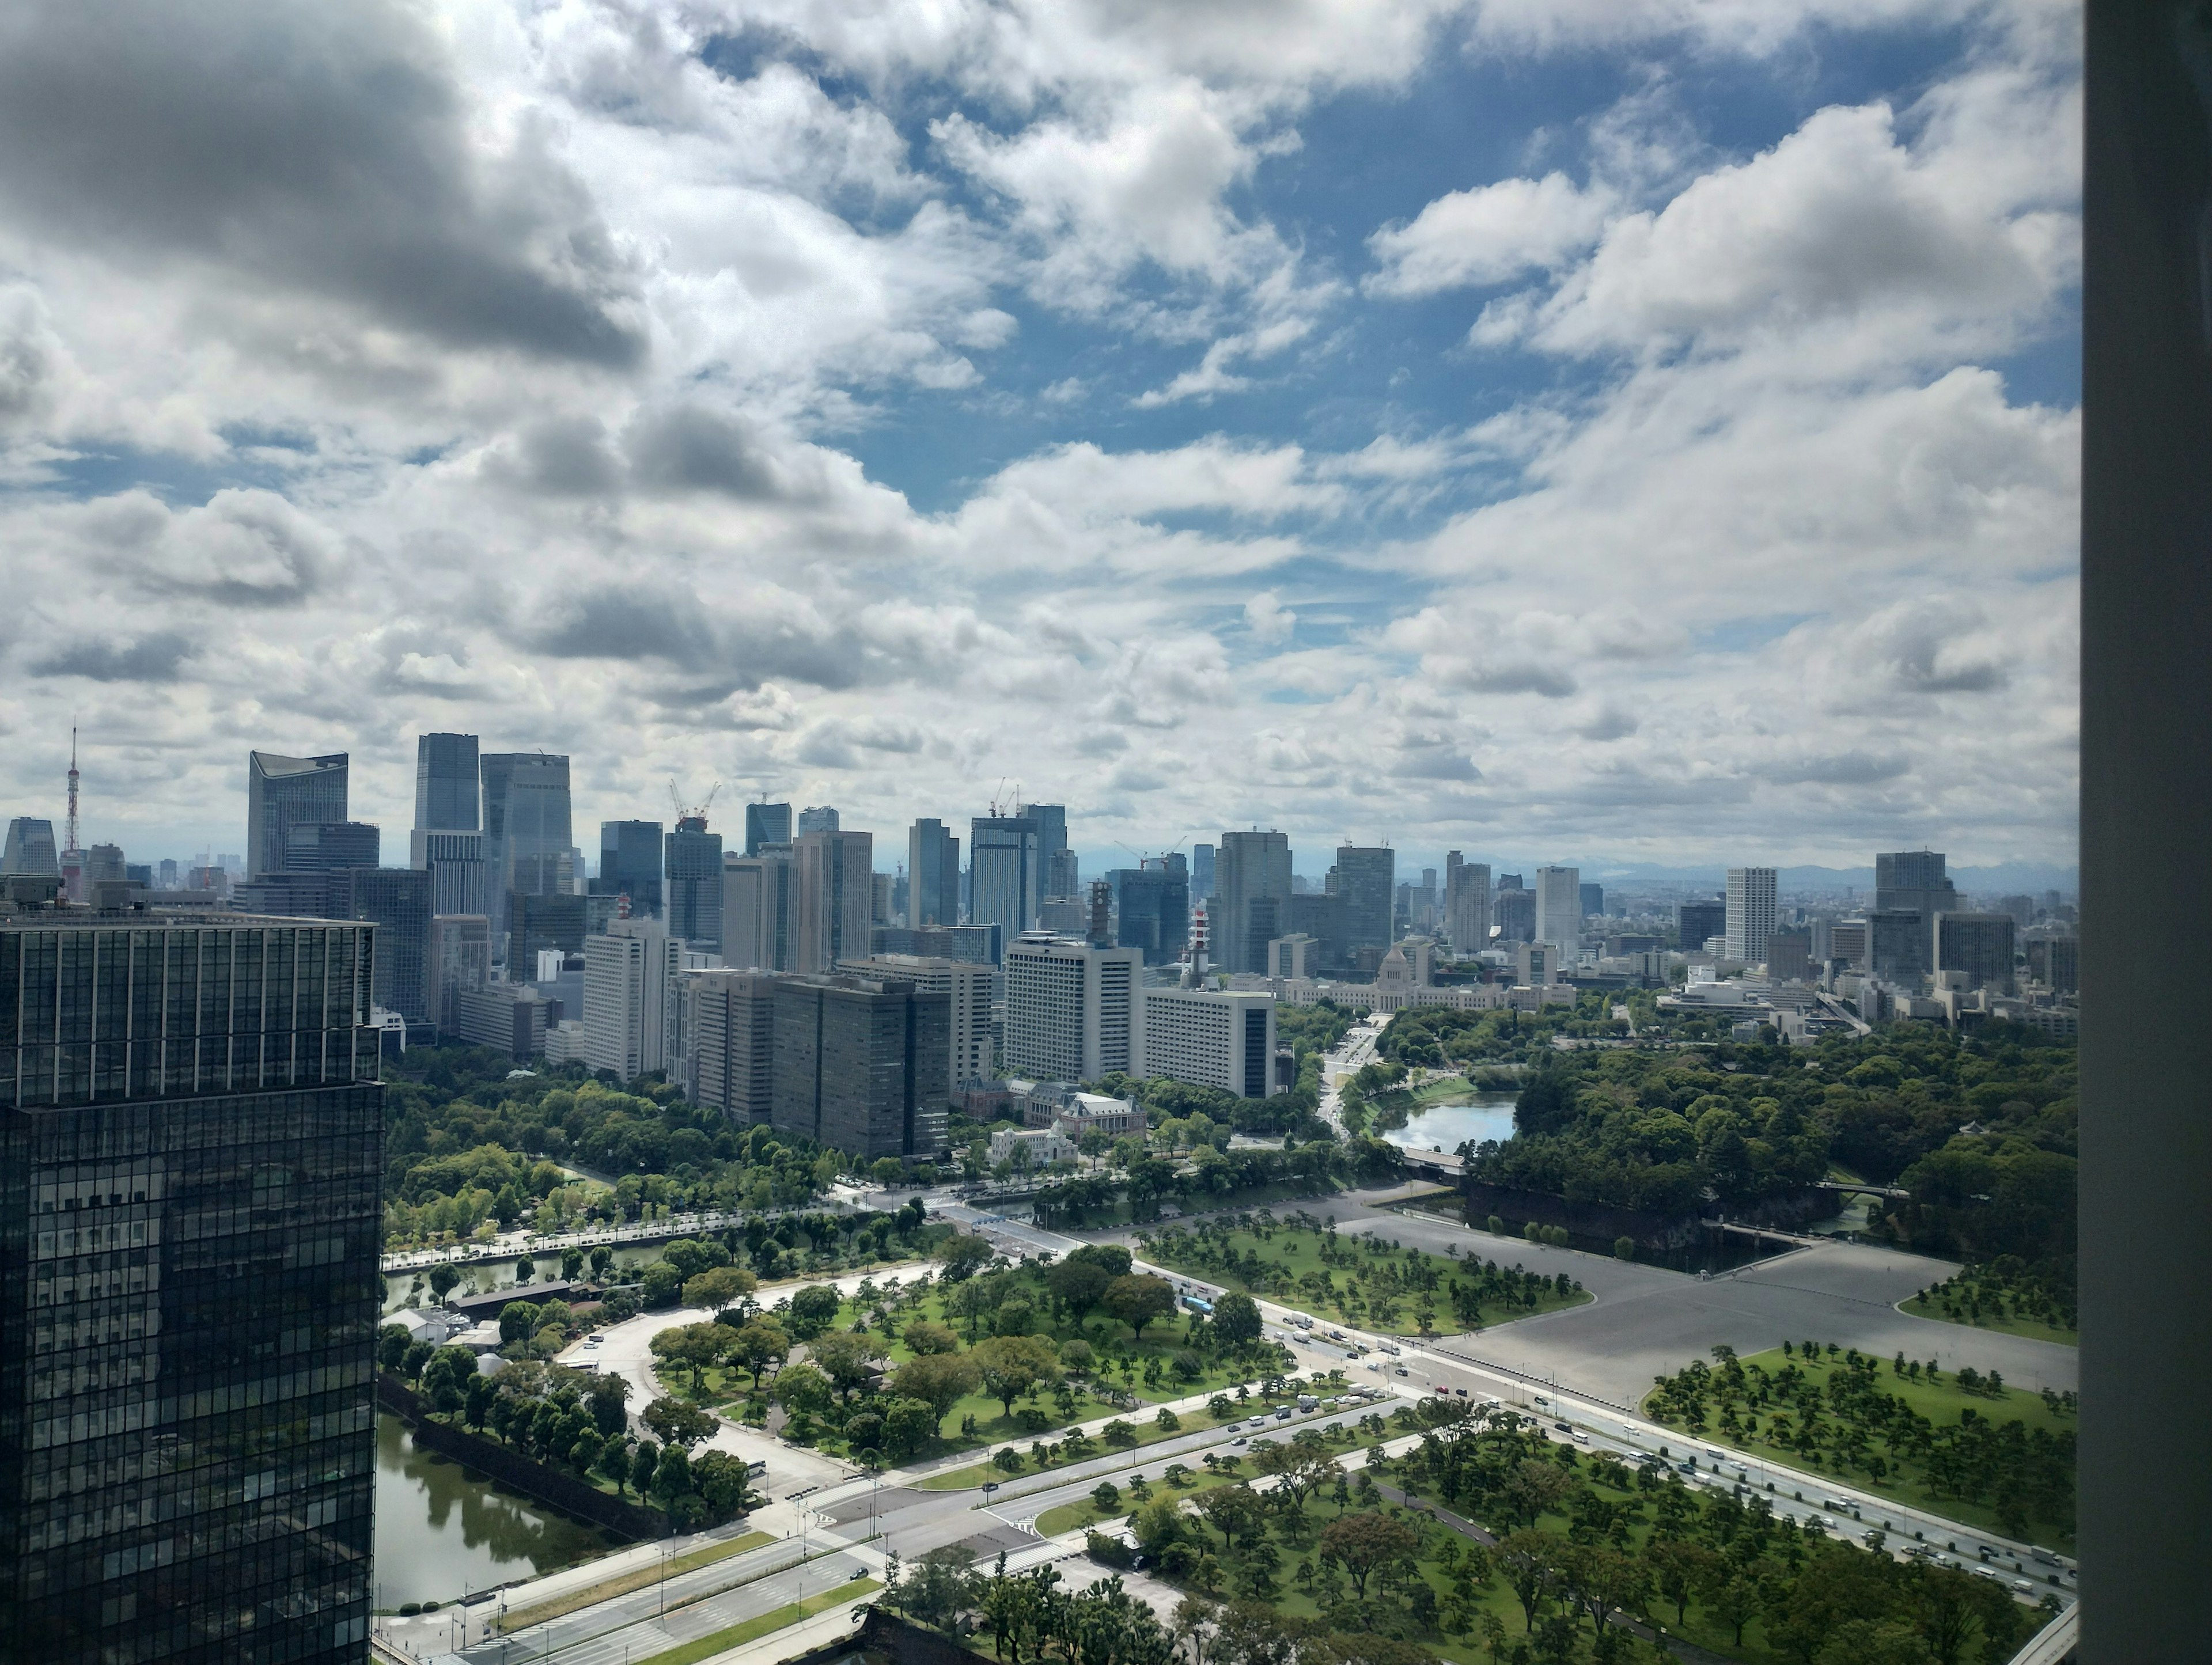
[189,1146]
[446,782]
[629,865]
[281,793]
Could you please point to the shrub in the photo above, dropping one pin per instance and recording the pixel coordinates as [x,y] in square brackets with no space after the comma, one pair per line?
[1109,1552]
[1496,1226]
[1624,1248]
[1168,1421]
[1533,1232]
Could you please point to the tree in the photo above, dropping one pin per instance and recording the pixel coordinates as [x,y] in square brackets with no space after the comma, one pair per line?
[813,1309]
[941,1586]
[643,1461]
[1535,1487]
[909,1425]
[938,1380]
[392,1344]
[1228,1509]
[1365,1543]
[681,1426]
[759,1345]
[1681,1569]
[1300,1472]
[922,1337]
[614,1463]
[1236,1320]
[662,1286]
[802,1390]
[1529,1559]
[1137,1300]
[1076,1285]
[1013,1364]
[963,1255]
[849,1361]
[518,1321]
[718,1287]
[526,1270]
[444,1279]
[695,1347]
[608,1394]
[446,1377]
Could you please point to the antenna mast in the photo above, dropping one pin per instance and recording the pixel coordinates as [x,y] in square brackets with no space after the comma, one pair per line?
[72,843]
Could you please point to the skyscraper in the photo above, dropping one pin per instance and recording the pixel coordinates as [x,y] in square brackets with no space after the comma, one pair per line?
[30,849]
[1593,901]
[191,1153]
[1252,892]
[455,861]
[1004,851]
[526,830]
[816,817]
[1365,876]
[396,901]
[1559,909]
[282,792]
[1152,901]
[458,962]
[1914,879]
[1751,914]
[1056,875]
[967,987]
[1696,923]
[630,974]
[731,1047]
[327,846]
[932,866]
[1201,873]
[1467,904]
[1978,947]
[832,898]
[1073,1012]
[694,884]
[446,782]
[631,854]
[766,823]
[759,929]
[861,1063]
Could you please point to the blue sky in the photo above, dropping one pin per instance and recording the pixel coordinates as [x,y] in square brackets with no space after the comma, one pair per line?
[1637,433]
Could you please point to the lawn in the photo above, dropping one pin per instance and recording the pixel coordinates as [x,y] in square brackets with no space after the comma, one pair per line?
[523,1618]
[1147,1432]
[2005,1295]
[1362,1280]
[1084,1512]
[2010,1324]
[1977,1470]
[707,1647]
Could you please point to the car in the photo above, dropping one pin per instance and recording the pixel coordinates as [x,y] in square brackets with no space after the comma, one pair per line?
[1820,1523]
[1242,1439]
[1284,1414]
[1232,1427]
[1838,1504]
[1581,1438]
[1564,1427]
[1402,1371]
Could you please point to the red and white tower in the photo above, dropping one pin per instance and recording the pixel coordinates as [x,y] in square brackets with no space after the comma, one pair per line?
[72,853]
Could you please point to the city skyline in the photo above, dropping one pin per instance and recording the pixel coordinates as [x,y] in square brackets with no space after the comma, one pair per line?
[1462,425]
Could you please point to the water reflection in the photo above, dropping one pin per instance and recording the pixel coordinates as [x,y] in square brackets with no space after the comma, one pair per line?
[1446,1126]
[441,1530]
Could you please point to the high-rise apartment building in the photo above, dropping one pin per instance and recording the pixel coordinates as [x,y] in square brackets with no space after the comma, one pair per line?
[30,849]
[1008,872]
[1467,904]
[1210,1038]
[967,988]
[628,976]
[816,818]
[759,924]
[460,962]
[191,1158]
[861,1064]
[459,881]
[766,823]
[1749,914]
[1074,1011]
[933,869]
[1251,899]
[282,792]
[631,854]
[396,901]
[730,1049]
[1559,908]
[447,785]
[694,883]
[1152,902]
[833,897]
[528,845]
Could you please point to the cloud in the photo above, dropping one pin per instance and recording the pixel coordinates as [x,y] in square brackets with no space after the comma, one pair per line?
[154,659]
[1487,235]
[1267,619]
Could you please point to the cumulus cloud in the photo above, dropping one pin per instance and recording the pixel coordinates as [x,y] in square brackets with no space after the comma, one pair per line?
[1488,235]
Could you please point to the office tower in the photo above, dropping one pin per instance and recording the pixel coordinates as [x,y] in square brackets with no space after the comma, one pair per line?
[833,892]
[512,1017]
[861,1064]
[628,974]
[1073,1012]
[968,988]
[1056,875]
[329,847]
[446,782]
[396,901]
[629,865]
[1897,944]
[1008,872]
[30,849]
[1467,904]
[166,875]
[817,817]
[888,888]
[1364,877]
[295,896]
[1914,879]
[766,823]
[1510,882]
[971,944]
[527,841]
[282,792]
[1512,913]
[1063,916]
[1293,957]
[1748,916]
[455,861]
[1593,901]
[1099,933]
[1697,923]
[1536,963]
[2055,962]
[694,884]
[1559,908]
[1252,896]
[191,1158]
[538,923]
[1318,914]
[932,874]
[103,865]
[459,962]
[731,1044]
[1847,941]
[1062,874]
[1789,955]
[1978,947]
[1201,873]
[1210,1038]
[1153,904]
[759,925]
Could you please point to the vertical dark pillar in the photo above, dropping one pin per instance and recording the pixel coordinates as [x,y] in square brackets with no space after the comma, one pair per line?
[2146,1536]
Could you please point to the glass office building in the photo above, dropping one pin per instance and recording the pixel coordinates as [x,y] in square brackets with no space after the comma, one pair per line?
[189,1146]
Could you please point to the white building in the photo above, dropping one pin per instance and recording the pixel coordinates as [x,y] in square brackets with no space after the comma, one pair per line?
[564,1042]
[1073,1012]
[1536,963]
[1751,907]
[1210,1038]
[1040,1147]
[966,984]
[628,1009]
[1559,907]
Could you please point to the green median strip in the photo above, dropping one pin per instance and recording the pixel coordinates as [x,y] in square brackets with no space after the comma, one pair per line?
[626,1583]
[707,1647]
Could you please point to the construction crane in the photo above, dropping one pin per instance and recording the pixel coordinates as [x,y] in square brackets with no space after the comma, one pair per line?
[699,815]
[999,803]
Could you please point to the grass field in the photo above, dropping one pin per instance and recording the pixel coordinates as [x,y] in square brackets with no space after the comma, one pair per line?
[523,1618]
[2033,1328]
[1148,1432]
[707,1647]
[1084,1513]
